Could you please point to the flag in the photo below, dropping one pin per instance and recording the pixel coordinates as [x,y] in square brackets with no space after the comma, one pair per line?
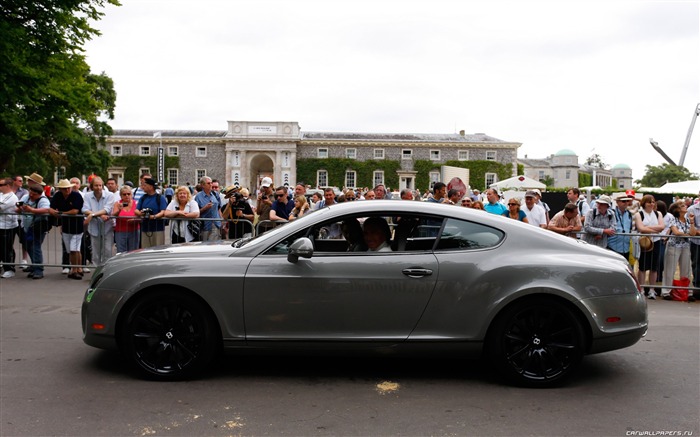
[157,134]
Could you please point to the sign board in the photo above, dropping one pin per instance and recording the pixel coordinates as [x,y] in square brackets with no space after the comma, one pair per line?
[161,166]
[262,130]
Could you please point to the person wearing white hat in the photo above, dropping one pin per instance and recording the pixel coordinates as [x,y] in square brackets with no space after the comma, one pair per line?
[599,223]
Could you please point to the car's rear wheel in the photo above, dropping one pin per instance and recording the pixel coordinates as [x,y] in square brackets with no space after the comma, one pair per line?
[536,343]
[169,335]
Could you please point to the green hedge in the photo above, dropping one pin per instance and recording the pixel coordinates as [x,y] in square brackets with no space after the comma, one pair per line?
[133,163]
[336,168]
[477,171]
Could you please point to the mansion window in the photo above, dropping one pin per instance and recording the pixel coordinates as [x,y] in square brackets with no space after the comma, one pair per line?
[350,178]
[144,170]
[145,151]
[116,150]
[490,178]
[378,177]
[434,177]
[406,154]
[199,174]
[490,155]
[172,177]
[201,152]
[434,155]
[351,154]
[322,153]
[378,154]
[463,155]
[322,178]
[173,151]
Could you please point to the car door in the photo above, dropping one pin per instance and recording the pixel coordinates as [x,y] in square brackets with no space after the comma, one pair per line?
[338,295]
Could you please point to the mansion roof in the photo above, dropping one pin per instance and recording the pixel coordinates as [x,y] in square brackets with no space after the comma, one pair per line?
[324,136]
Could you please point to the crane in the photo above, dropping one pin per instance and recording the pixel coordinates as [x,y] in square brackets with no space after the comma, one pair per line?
[656,147]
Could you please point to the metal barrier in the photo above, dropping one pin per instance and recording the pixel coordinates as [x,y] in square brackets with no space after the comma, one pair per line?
[54,254]
[266,225]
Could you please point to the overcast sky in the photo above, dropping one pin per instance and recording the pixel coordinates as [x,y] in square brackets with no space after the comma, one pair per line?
[591,76]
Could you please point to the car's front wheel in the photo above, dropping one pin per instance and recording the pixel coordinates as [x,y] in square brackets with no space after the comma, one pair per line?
[536,343]
[169,335]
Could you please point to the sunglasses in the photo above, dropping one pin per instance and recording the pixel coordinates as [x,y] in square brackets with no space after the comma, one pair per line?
[349,198]
[2,185]
[513,204]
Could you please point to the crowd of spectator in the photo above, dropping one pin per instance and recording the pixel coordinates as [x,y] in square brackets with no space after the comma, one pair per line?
[103,218]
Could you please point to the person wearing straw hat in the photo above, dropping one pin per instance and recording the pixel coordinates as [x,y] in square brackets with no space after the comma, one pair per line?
[69,204]
[34,205]
[237,213]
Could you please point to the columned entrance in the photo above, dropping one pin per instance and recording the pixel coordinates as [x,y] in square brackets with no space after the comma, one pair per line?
[407,179]
[261,165]
[255,150]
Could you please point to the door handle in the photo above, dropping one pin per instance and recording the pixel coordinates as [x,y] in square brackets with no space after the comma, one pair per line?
[417,273]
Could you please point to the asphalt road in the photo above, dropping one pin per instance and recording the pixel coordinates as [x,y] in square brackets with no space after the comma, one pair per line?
[53,384]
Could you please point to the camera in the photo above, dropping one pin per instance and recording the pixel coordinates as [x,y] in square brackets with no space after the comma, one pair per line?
[19,204]
[264,197]
[146,212]
[238,202]
[125,204]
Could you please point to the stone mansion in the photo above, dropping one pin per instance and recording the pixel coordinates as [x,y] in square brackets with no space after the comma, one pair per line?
[249,150]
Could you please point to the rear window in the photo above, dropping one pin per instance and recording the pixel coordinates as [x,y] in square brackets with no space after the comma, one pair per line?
[460,235]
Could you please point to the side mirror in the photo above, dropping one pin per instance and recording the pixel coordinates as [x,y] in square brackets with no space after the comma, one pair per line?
[302,247]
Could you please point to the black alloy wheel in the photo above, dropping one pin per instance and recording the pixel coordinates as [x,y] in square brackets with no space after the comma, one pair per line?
[536,343]
[169,336]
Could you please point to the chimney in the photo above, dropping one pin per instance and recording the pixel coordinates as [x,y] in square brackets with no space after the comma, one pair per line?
[461,133]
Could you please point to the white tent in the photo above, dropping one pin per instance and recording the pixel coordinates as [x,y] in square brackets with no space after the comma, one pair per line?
[689,187]
[518,183]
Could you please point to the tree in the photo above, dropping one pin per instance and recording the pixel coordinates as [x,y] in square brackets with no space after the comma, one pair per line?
[595,160]
[548,181]
[52,108]
[658,175]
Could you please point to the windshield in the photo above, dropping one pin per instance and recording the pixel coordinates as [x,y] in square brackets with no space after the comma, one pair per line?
[275,232]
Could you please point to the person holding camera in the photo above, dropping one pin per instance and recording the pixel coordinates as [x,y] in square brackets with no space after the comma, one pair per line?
[238,214]
[126,229]
[151,208]
[182,206]
[34,205]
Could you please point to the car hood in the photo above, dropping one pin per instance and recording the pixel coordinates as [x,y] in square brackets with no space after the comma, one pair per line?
[190,250]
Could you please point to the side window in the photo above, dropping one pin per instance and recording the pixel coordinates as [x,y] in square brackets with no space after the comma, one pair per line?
[460,235]
[415,233]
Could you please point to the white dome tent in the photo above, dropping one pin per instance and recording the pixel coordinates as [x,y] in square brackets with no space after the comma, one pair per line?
[518,183]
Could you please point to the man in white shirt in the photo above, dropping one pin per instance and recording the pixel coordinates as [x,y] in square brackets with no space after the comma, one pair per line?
[535,213]
[8,227]
[97,207]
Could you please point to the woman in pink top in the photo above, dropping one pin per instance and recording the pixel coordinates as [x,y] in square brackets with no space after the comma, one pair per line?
[126,231]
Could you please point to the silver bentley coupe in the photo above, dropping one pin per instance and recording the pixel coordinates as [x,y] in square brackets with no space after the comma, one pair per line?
[390,276]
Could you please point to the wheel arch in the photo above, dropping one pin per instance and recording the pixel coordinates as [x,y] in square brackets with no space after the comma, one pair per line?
[546,296]
[169,288]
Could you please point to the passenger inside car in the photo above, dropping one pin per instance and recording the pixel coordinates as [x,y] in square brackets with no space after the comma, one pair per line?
[352,231]
[377,234]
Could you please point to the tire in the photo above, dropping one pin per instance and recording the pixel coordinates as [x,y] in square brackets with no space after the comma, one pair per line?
[169,336]
[536,343]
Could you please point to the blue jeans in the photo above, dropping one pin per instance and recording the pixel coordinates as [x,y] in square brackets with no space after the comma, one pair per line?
[32,244]
[127,241]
